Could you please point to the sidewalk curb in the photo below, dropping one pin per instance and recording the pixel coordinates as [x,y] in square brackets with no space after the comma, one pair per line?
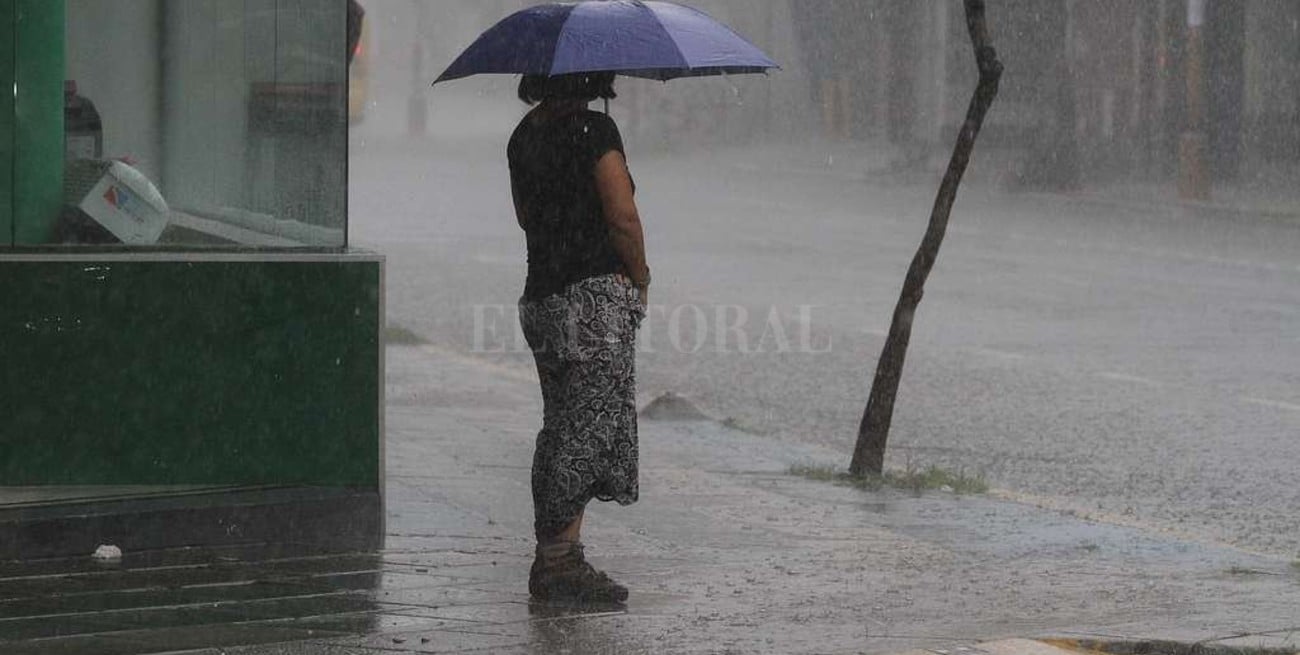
[1084,646]
[1080,646]
[1014,646]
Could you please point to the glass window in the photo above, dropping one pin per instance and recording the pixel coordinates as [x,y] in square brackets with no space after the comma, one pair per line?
[7,81]
[205,123]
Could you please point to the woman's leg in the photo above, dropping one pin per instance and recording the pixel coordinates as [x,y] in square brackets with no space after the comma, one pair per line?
[556,549]
[556,514]
[590,448]
[594,450]
[554,519]
[573,533]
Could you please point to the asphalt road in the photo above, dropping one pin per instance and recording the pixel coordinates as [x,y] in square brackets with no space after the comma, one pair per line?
[1136,363]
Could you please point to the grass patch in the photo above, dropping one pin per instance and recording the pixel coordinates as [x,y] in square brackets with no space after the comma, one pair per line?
[738,425]
[396,335]
[933,478]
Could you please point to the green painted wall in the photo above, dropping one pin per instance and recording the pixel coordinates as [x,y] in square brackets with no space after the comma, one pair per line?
[7,9]
[38,107]
[124,371]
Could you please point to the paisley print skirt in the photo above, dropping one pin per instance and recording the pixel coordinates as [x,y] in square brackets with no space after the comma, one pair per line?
[584,343]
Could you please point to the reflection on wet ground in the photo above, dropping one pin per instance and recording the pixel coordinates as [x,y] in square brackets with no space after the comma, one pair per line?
[185,599]
[52,522]
[452,595]
[727,553]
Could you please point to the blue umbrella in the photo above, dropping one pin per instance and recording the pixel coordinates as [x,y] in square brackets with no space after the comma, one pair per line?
[656,40]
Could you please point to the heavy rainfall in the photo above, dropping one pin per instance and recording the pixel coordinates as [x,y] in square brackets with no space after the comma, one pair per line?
[1102,384]
[1090,340]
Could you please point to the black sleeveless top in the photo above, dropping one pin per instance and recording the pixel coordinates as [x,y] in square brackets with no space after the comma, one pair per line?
[553,171]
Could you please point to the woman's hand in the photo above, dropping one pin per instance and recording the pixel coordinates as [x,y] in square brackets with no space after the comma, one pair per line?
[642,291]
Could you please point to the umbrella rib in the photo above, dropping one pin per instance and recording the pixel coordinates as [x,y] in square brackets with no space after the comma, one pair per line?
[689,70]
[559,37]
[646,69]
[686,65]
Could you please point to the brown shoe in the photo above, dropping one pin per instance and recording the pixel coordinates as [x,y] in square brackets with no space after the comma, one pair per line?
[571,578]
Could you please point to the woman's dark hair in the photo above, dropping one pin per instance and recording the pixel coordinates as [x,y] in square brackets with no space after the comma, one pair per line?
[575,86]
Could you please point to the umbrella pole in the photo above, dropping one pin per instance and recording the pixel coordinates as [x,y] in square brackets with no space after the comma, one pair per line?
[606,106]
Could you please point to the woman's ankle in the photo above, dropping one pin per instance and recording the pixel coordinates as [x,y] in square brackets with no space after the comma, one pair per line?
[554,549]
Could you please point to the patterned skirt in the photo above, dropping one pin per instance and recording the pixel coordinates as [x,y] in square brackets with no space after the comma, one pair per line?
[584,343]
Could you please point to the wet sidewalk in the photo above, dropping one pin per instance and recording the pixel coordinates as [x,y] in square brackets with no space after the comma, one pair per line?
[725,553]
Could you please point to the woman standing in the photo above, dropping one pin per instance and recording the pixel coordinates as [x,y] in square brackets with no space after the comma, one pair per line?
[583,301]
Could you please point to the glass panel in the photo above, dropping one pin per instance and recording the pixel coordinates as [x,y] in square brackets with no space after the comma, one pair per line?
[206,123]
[6,124]
[36,89]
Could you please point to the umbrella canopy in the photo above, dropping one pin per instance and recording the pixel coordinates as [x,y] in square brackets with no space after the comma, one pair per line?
[656,40]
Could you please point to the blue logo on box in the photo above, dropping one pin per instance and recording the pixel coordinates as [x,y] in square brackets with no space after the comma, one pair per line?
[125,201]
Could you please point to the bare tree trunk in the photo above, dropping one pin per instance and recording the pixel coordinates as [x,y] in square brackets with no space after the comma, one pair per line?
[873,434]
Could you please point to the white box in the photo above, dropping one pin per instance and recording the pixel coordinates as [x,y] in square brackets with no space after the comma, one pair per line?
[126,203]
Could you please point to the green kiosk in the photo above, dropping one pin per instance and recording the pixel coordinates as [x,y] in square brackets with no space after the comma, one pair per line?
[190,352]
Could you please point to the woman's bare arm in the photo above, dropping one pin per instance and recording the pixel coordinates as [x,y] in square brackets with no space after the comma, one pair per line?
[615,187]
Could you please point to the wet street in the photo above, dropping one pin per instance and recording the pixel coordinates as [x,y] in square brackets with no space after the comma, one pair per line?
[725,553]
[1132,361]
